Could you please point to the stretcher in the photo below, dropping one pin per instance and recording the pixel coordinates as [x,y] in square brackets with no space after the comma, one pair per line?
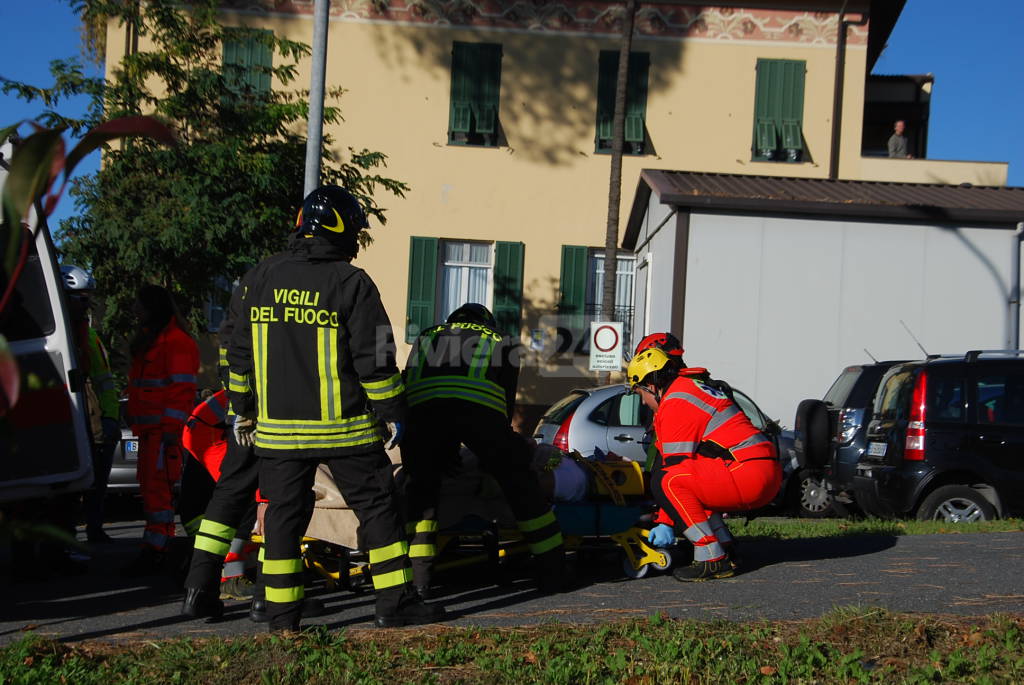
[477,528]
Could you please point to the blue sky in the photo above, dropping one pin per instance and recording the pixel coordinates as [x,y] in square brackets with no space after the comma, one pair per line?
[972,48]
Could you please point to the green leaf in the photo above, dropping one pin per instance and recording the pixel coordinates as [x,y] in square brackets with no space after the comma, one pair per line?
[121,127]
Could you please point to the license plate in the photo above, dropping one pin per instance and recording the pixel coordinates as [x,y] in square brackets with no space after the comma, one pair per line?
[876,449]
[131,449]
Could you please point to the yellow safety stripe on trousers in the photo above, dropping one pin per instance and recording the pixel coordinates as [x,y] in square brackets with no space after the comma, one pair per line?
[216,547]
[327,369]
[385,389]
[262,554]
[423,526]
[480,385]
[420,551]
[546,545]
[545,519]
[392,551]
[279,567]
[382,581]
[215,529]
[290,426]
[259,355]
[281,595]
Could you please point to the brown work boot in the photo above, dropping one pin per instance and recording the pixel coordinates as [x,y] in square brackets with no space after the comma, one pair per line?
[705,570]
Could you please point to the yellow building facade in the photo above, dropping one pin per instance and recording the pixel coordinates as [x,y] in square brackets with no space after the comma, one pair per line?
[489,216]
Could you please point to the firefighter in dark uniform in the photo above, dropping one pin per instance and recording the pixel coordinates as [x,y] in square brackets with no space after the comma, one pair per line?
[315,349]
[461,383]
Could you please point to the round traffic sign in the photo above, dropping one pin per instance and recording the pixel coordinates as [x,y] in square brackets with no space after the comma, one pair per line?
[606,338]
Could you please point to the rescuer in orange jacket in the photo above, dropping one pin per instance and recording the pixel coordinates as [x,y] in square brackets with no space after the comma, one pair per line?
[161,395]
[713,460]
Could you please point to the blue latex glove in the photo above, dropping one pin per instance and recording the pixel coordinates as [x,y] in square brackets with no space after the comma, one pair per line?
[662,536]
[396,430]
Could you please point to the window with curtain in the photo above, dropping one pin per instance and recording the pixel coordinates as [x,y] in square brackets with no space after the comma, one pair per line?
[466,273]
[625,280]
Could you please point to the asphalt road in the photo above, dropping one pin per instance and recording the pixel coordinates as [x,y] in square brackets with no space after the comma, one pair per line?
[974,574]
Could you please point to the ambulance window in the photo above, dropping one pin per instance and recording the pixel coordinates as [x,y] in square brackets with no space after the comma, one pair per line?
[28,315]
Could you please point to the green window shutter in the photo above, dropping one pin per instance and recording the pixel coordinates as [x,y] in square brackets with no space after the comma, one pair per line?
[607,68]
[252,58]
[508,286]
[488,87]
[636,96]
[422,286]
[573,285]
[779,107]
[462,59]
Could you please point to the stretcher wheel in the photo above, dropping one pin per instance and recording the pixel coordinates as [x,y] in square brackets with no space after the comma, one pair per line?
[668,560]
[631,572]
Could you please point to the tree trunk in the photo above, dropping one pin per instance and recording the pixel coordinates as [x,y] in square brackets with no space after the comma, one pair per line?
[611,239]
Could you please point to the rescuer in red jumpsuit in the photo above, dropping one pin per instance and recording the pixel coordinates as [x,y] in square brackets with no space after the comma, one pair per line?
[713,460]
[161,395]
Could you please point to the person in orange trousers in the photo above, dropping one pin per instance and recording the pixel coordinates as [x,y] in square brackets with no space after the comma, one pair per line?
[161,395]
[713,460]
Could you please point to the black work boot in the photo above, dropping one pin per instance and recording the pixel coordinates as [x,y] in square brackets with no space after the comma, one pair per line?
[201,603]
[311,607]
[550,571]
[732,551]
[705,570]
[405,608]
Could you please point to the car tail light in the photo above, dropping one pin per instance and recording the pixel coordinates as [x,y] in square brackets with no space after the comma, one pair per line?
[561,439]
[913,449]
[847,424]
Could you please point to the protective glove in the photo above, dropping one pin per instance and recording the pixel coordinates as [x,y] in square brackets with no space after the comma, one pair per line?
[396,430]
[111,429]
[245,431]
[662,536]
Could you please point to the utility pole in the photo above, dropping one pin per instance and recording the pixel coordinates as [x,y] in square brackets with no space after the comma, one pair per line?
[315,125]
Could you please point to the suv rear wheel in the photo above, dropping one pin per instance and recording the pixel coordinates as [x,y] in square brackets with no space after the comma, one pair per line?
[956,504]
[812,497]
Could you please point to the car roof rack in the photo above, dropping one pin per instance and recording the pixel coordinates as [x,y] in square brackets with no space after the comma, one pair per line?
[974,355]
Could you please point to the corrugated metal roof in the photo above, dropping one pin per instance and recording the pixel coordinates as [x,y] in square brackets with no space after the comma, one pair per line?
[916,202]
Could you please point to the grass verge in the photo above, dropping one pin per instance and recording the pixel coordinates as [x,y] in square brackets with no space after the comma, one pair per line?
[788,529]
[850,645]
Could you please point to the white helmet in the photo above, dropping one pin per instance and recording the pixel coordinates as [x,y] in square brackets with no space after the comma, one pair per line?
[77,278]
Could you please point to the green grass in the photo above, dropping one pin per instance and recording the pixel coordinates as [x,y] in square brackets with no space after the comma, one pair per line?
[788,529]
[852,645]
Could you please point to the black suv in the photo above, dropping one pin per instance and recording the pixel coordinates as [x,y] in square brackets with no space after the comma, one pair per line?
[830,439]
[946,439]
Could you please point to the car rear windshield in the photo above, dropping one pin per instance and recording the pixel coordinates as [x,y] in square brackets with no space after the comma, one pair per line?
[893,399]
[561,409]
[840,390]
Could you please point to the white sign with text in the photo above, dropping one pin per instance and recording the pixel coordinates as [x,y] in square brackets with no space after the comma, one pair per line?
[606,346]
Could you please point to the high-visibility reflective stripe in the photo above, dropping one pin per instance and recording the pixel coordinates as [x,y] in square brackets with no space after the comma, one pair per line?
[692,399]
[707,552]
[212,545]
[392,551]
[479,385]
[481,358]
[162,516]
[327,370]
[308,442]
[142,420]
[420,551]
[192,527]
[182,378]
[154,539]
[339,425]
[222,356]
[719,419]
[424,526]
[148,382]
[755,439]
[216,408]
[425,343]
[259,355]
[261,554]
[238,382]
[277,567]
[545,519]
[219,530]
[175,414]
[546,545]
[382,581]
[668,448]
[385,389]
[281,595]
[698,531]
[458,394]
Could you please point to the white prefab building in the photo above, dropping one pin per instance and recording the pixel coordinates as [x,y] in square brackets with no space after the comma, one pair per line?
[777,284]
